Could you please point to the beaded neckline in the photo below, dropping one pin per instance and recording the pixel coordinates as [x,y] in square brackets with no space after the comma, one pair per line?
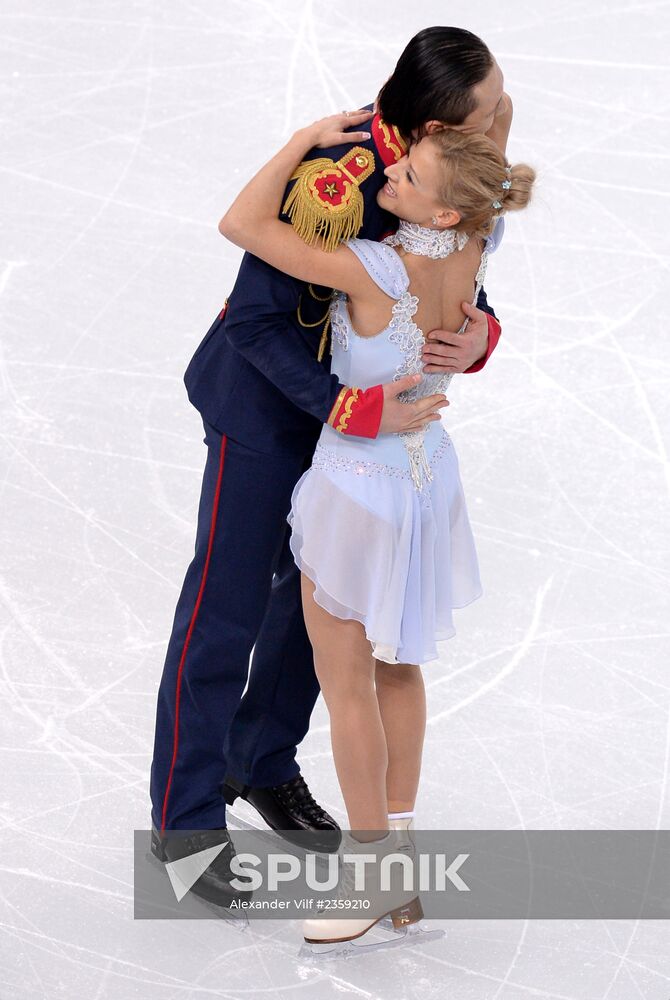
[426,242]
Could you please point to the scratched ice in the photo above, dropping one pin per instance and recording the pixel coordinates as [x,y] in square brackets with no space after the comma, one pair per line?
[127,128]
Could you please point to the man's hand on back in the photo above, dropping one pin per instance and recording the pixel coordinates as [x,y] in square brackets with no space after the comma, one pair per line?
[447,351]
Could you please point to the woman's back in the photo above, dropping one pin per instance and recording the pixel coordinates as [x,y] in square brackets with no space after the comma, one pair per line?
[379,335]
[440,286]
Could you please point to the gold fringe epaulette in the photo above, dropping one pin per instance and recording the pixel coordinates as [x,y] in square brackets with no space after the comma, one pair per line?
[325,201]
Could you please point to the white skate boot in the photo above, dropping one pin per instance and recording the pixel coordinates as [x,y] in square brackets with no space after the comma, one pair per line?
[400,913]
[405,842]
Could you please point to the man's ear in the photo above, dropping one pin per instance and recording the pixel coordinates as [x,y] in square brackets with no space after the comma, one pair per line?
[434,126]
[502,123]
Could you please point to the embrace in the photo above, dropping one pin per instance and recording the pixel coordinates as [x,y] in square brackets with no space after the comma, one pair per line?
[333,538]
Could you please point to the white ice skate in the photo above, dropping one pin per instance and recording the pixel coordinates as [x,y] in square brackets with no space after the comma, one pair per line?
[398,926]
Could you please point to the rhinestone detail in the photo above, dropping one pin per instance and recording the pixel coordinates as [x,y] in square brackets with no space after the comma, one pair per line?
[406,334]
[339,320]
[410,339]
[332,461]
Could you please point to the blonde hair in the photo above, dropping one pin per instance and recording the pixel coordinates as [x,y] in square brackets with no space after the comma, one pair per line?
[474,170]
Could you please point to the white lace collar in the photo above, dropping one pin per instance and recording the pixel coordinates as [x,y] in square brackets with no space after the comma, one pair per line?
[425,242]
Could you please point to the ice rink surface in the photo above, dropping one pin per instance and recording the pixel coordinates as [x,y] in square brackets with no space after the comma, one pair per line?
[127,128]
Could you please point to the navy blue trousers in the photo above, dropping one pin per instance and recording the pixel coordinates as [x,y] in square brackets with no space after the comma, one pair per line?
[241,592]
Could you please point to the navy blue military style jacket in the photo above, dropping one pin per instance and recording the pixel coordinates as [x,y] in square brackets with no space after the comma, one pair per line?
[261,374]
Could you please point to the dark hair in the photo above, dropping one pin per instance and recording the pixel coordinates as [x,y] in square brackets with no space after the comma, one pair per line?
[434,80]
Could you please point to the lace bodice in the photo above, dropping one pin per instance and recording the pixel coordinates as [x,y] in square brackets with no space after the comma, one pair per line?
[395,351]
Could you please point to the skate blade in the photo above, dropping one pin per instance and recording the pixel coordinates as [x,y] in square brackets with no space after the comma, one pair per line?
[240,923]
[386,924]
[412,935]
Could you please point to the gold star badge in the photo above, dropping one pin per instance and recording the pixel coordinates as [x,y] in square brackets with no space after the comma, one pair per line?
[325,202]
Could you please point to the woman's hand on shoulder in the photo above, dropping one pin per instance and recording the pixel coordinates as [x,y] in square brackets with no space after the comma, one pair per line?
[327,132]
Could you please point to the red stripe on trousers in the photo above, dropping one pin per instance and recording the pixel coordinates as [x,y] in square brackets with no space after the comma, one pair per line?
[187,640]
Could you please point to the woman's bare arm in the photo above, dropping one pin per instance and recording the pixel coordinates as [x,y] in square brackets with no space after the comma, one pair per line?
[252,220]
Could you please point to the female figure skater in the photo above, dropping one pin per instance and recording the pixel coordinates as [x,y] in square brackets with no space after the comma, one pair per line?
[380,529]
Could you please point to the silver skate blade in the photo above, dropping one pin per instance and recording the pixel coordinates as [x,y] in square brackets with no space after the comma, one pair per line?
[240,923]
[386,924]
[413,935]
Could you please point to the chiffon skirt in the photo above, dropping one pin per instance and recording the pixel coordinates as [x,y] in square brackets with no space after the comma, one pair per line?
[381,552]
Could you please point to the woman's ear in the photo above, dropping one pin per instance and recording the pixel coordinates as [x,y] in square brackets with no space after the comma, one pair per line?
[445,218]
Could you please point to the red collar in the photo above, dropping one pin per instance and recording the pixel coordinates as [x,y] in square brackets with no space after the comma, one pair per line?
[390,144]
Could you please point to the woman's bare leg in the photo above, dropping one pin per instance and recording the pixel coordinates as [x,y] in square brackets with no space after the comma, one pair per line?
[346,670]
[402,704]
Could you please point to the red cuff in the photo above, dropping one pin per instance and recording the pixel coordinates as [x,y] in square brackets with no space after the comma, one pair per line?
[494,336]
[358,411]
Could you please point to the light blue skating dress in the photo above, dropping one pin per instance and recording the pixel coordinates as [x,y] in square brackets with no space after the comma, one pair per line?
[381,526]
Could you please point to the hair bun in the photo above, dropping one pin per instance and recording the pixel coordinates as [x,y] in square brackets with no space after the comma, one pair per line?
[519,193]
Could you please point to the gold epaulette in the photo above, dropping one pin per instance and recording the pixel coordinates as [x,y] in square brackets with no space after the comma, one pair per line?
[325,201]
